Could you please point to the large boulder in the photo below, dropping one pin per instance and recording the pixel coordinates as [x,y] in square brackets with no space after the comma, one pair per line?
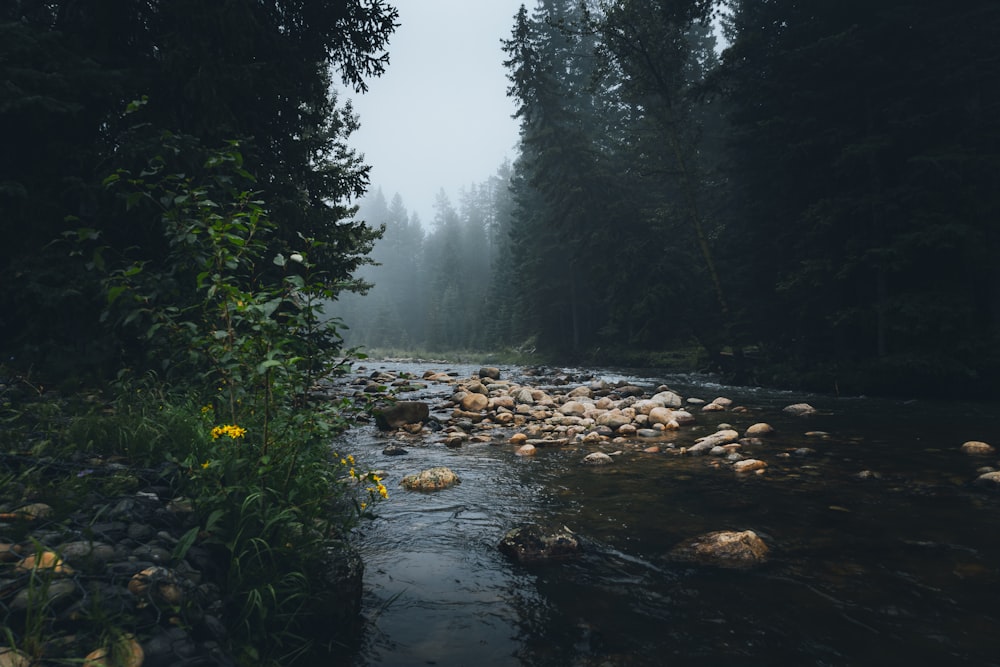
[799,409]
[723,548]
[598,459]
[391,417]
[474,402]
[668,399]
[432,479]
[613,419]
[573,409]
[977,448]
[660,415]
[759,428]
[490,372]
[533,544]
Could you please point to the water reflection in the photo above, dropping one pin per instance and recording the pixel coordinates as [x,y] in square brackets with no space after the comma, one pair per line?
[902,567]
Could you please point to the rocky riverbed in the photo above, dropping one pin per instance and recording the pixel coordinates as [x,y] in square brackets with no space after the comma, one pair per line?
[834,514]
[608,419]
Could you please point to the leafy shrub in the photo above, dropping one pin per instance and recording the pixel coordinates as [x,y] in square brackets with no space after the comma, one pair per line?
[241,333]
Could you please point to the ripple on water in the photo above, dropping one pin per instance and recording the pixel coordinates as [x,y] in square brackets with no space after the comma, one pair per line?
[899,568]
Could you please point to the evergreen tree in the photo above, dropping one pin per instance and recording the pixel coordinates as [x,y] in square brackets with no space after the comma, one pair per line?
[560,201]
[864,139]
[255,72]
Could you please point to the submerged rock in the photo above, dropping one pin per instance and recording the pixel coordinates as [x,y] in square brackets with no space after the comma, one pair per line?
[799,409]
[393,416]
[990,479]
[723,548]
[533,544]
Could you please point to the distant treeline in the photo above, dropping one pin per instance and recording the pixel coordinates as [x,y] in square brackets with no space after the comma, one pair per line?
[818,203]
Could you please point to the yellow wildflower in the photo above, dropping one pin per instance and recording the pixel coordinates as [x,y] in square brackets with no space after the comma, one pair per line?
[205,409]
[204,466]
[232,430]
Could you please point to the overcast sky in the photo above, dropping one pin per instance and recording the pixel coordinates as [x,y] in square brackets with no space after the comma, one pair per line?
[440,116]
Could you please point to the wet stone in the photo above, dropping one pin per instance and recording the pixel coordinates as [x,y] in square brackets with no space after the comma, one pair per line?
[597,459]
[83,552]
[152,553]
[534,544]
[171,647]
[140,531]
[989,480]
[432,479]
[59,593]
[724,549]
[112,531]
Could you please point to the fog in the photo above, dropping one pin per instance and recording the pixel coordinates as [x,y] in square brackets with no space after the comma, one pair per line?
[439,117]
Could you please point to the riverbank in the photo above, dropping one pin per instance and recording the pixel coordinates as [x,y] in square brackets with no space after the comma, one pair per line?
[114,536]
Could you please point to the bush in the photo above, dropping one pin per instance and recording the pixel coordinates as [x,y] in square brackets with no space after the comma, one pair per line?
[243,340]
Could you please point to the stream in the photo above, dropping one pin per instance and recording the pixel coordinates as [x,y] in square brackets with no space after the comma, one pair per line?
[899,567]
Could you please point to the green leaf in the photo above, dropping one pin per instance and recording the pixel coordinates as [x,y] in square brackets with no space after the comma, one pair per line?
[115,292]
[264,365]
[213,520]
[185,543]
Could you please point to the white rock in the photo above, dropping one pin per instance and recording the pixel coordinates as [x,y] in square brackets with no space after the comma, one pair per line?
[749,465]
[759,429]
[977,448]
[597,459]
[669,399]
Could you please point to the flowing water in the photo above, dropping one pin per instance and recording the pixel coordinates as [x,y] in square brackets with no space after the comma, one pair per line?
[899,569]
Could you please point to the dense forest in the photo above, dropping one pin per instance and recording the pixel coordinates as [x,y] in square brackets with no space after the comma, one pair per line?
[814,204]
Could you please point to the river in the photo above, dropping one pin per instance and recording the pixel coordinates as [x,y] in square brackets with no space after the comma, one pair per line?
[899,568]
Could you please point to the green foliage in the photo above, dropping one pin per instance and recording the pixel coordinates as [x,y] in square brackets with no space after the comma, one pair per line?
[243,334]
[265,79]
[248,342]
